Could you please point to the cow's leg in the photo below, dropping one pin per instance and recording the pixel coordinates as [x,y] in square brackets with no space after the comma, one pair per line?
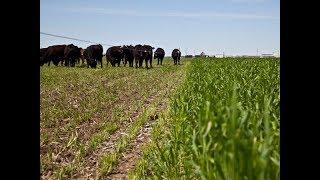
[161,61]
[73,63]
[146,61]
[151,63]
[49,62]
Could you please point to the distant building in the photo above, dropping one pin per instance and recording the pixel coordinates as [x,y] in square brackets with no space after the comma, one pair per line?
[219,55]
[202,54]
[276,54]
[266,55]
[250,56]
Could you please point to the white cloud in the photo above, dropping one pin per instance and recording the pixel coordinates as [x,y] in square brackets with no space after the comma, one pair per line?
[172,14]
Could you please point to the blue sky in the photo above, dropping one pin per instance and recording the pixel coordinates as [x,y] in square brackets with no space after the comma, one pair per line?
[236,27]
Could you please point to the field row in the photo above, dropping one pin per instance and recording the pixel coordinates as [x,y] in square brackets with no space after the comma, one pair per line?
[86,112]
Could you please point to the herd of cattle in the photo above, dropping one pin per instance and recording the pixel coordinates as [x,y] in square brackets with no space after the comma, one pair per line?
[69,55]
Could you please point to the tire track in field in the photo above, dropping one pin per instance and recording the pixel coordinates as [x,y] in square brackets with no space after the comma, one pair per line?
[91,163]
[134,151]
[131,155]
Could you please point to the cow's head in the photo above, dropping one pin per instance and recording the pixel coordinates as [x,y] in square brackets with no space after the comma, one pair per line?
[92,63]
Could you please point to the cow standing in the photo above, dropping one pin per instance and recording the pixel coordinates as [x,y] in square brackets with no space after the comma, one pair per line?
[42,53]
[128,52]
[159,54]
[148,54]
[139,55]
[55,54]
[114,55]
[71,54]
[93,54]
[176,54]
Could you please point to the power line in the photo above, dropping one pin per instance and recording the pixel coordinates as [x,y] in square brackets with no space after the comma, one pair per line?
[65,37]
[73,38]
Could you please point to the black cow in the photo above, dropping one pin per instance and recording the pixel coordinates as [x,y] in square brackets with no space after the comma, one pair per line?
[71,54]
[42,53]
[93,55]
[55,54]
[139,55]
[114,55]
[176,54]
[81,57]
[148,54]
[159,54]
[128,52]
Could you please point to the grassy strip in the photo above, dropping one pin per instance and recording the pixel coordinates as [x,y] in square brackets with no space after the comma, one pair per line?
[223,123]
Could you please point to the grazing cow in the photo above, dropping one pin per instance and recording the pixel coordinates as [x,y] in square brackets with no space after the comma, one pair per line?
[176,54]
[114,55]
[148,54]
[55,54]
[71,54]
[139,55]
[93,55]
[159,54]
[128,52]
[42,53]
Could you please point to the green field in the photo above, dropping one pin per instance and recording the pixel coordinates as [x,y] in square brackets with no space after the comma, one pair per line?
[204,119]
